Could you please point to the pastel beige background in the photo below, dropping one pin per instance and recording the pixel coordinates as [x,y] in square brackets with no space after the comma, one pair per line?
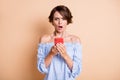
[96,22]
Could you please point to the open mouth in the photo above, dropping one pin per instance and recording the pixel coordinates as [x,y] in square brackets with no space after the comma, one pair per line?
[60,26]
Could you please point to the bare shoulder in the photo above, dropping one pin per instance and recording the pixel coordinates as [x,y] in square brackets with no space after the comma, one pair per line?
[45,38]
[75,39]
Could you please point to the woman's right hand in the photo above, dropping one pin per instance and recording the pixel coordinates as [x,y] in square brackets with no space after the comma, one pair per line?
[51,54]
[53,51]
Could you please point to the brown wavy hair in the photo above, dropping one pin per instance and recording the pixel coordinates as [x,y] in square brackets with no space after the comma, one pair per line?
[64,11]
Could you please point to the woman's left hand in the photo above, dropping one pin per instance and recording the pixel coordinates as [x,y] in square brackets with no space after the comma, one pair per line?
[61,49]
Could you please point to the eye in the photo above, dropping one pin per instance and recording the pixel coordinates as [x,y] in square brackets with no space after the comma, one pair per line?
[64,19]
[56,18]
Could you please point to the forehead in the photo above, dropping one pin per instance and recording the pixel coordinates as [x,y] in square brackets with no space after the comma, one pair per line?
[58,15]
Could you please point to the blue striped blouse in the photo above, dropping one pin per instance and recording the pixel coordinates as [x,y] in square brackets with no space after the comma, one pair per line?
[58,69]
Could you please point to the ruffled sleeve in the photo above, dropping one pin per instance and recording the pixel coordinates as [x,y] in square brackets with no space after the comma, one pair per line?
[77,63]
[41,56]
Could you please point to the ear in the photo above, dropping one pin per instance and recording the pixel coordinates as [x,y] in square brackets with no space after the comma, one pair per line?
[52,23]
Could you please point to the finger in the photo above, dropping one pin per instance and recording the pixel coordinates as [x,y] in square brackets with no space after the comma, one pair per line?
[54,48]
[60,49]
[60,45]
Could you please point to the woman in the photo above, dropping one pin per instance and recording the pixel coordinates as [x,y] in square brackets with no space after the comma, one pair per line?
[62,60]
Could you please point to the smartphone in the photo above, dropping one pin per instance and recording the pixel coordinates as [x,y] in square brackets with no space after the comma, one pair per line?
[58,40]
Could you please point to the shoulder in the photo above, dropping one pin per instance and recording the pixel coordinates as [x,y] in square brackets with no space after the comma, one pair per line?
[75,38]
[44,38]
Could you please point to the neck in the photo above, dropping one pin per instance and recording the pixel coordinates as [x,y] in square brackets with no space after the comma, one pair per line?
[57,34]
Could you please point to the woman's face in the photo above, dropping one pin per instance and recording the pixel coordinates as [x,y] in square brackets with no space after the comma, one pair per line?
[59,22]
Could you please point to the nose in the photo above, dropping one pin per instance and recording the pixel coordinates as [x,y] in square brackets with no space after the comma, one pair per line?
[60,21]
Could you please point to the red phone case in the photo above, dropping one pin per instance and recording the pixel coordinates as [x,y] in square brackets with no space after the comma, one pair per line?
[58,40]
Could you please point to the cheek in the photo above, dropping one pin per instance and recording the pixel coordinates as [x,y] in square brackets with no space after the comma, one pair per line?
[54,23]
[65,22]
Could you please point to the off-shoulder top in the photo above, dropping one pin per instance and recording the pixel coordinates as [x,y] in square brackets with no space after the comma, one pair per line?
[58,69]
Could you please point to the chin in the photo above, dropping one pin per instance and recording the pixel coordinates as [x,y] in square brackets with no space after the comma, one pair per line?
[60,31]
